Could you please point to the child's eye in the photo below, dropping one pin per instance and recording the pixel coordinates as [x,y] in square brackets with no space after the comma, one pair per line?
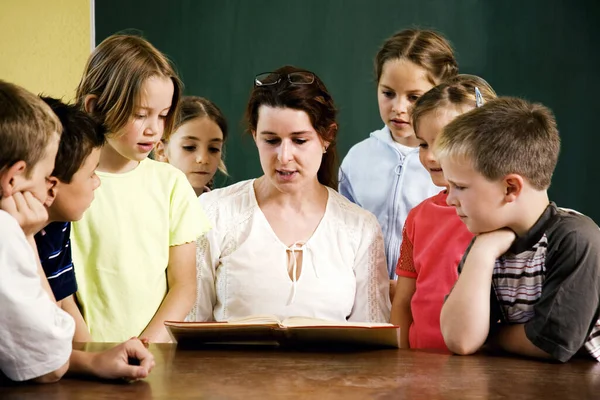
[413,97]
[300,141]
[389,94]
[162,116]
[140,116]
[423,145]
[272,141]
[455,186]
[214,150]
[189,148]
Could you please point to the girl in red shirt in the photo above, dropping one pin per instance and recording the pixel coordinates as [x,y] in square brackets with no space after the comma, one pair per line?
[434,238]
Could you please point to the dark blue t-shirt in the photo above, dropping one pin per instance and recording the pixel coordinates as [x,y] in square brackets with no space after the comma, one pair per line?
[54,247]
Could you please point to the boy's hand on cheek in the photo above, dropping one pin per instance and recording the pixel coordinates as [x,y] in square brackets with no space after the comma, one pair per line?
[497,242]
[29,212]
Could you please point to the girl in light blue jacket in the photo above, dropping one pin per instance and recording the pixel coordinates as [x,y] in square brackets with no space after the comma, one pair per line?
[383,173]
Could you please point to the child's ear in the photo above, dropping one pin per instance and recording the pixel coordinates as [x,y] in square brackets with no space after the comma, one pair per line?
[89,103]
[52,192]
[10,177]
[513,186]
[160,152]
[253,133]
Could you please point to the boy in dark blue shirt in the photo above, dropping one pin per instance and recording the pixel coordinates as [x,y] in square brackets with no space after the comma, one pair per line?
[74,172]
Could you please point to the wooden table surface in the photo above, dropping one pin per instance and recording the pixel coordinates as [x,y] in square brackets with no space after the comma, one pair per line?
[265,373]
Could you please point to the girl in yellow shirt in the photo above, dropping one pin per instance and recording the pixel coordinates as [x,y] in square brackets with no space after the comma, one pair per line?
[134,249]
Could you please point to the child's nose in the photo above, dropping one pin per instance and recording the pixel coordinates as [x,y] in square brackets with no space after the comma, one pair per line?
[400,105]
[97,181]
[202,157]
[153,127]
[451,199]
[429,156]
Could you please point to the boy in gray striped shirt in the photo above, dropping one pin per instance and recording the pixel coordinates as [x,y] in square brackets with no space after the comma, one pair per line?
[530,280]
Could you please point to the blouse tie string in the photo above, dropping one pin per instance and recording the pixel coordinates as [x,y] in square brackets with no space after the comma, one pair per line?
[298,246]
[301,247]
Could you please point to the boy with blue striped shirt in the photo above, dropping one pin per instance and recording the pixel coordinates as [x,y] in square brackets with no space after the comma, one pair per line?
[74,173]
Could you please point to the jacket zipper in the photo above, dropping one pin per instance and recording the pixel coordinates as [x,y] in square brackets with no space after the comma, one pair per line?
[394,206]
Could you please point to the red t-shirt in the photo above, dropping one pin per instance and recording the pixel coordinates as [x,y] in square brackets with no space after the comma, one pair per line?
[433,242]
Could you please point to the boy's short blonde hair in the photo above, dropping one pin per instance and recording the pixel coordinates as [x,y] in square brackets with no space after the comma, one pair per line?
[505,136]
[26,126]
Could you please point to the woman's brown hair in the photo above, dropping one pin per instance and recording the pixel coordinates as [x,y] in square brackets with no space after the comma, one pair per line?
[314,99]
[427,49]
[115,73]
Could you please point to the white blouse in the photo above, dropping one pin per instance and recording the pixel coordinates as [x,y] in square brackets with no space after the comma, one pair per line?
[242,266]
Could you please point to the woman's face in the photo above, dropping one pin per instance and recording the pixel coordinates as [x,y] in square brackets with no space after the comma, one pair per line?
[290,149]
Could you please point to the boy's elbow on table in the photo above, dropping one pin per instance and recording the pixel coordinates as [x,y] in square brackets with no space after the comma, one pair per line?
[458,339]
[461,346]
[53,376]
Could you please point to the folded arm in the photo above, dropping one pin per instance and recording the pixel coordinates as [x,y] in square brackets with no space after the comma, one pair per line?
[465,317]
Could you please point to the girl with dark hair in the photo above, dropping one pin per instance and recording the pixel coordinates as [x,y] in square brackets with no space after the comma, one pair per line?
[196,146]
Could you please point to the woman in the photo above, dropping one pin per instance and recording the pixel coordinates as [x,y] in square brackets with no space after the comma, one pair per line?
[287,244]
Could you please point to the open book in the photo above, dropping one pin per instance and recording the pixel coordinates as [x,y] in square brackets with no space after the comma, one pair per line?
[266,329]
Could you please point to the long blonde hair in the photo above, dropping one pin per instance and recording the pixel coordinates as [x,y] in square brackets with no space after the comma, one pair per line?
[115,73]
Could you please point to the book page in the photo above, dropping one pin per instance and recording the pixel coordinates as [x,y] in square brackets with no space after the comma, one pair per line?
[255,320]
[307,321]
[250,320]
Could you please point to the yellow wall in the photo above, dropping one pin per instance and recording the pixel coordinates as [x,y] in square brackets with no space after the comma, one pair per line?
[44,44]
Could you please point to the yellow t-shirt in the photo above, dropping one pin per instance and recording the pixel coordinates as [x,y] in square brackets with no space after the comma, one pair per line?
[121,246]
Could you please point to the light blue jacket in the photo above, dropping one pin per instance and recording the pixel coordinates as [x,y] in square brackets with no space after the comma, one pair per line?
[377,177]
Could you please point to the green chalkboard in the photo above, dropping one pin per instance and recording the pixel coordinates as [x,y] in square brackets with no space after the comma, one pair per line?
[542,50]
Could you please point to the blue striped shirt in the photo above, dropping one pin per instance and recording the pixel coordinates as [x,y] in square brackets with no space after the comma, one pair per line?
[54,247]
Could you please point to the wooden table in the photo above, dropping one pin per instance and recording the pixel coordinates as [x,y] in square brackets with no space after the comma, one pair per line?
[266,373]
